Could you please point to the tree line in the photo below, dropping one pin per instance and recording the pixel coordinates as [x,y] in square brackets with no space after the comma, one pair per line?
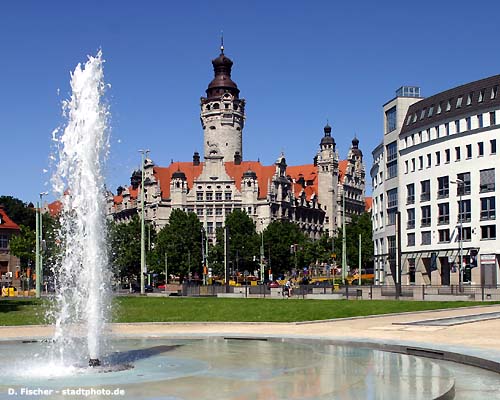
[182,243]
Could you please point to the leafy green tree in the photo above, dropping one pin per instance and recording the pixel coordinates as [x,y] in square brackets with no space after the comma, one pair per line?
[243,247]
[125,247]
[360,224]
[180,240]
[23,246]
[18,211]
[278,237]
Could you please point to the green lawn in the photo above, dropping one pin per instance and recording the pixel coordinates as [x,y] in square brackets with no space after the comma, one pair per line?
[171,309]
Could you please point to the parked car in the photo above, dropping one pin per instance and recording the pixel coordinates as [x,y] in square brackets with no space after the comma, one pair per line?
[273,284]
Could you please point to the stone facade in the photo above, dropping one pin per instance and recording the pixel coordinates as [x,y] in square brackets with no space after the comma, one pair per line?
[309,195]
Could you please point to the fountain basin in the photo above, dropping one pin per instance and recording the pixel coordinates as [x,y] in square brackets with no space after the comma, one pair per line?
[218,368]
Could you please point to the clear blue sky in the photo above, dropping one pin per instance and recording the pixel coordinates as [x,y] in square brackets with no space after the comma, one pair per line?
[296,63]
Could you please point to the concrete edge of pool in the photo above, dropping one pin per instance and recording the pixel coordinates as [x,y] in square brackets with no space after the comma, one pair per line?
[475,343]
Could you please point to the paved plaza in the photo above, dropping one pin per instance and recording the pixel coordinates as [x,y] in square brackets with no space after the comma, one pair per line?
[472,332]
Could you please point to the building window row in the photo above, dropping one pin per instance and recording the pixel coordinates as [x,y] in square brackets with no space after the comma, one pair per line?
[450,128]
[410,165]
[488,212]
[488,232]
[209,196]
[463,182]
[447,105]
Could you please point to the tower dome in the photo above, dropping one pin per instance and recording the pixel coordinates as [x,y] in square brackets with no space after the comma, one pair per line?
[327,139]
[355,149]
[222,82]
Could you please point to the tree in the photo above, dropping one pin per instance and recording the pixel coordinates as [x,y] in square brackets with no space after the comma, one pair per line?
[243,246]
[279,236]
[180,239]
[18,211]
[125,247]
[23,246]
[360,224]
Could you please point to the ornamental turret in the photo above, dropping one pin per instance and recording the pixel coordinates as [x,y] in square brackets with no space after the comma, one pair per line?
[326,161]
[223,112]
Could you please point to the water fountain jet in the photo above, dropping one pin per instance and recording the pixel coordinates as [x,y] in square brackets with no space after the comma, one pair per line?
[82,273]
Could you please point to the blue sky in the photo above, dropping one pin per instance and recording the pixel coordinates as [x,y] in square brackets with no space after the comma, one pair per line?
[296,63]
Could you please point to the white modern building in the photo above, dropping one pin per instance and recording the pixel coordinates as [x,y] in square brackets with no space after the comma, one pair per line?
[445,224]
[385,182]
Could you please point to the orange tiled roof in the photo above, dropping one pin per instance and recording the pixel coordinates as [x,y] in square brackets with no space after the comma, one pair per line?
[264,174]
[6,222]
[133,195]
[342,169]
[368,203]
[54,208]
[309,172]
[235,171]
[164,174]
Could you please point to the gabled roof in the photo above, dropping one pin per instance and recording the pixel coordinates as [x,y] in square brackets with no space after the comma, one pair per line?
[309,173]
[342,169]
[368,204]
[164,174]
[54,208]
[264,174]
[6,222]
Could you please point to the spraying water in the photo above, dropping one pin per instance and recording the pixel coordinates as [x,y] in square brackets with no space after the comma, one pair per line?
[82,274]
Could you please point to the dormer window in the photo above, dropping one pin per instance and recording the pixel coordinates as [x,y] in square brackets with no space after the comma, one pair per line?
[459,102]
[469,98]
[481,96]
[448,105]
[431,111]
[494,91]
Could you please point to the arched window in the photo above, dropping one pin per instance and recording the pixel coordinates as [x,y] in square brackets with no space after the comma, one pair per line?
[216,106]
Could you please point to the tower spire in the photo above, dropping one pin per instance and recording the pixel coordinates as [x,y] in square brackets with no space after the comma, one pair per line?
[222,42]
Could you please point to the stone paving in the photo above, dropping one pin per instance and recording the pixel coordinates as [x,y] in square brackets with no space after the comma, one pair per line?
[480,338]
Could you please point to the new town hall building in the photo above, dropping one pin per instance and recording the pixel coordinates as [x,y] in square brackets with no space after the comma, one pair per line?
[309,195]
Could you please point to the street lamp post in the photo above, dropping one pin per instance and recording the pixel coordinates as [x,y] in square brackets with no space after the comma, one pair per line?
[144,154]
[460,187]
[262,251]
[39,247]
[344,243]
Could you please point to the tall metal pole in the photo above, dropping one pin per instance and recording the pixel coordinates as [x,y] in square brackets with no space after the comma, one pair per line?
[143,250]
[461,268]
[225,256]
[166,271]
[344,246]
[203,259]
[206,256]
[37,250]
[262,273]
[359,262]
[334,264]
[39,273]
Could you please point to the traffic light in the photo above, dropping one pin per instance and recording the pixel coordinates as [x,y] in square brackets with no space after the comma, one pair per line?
[473,258]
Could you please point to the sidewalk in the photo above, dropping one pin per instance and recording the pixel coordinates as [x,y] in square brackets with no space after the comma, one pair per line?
[476,339]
